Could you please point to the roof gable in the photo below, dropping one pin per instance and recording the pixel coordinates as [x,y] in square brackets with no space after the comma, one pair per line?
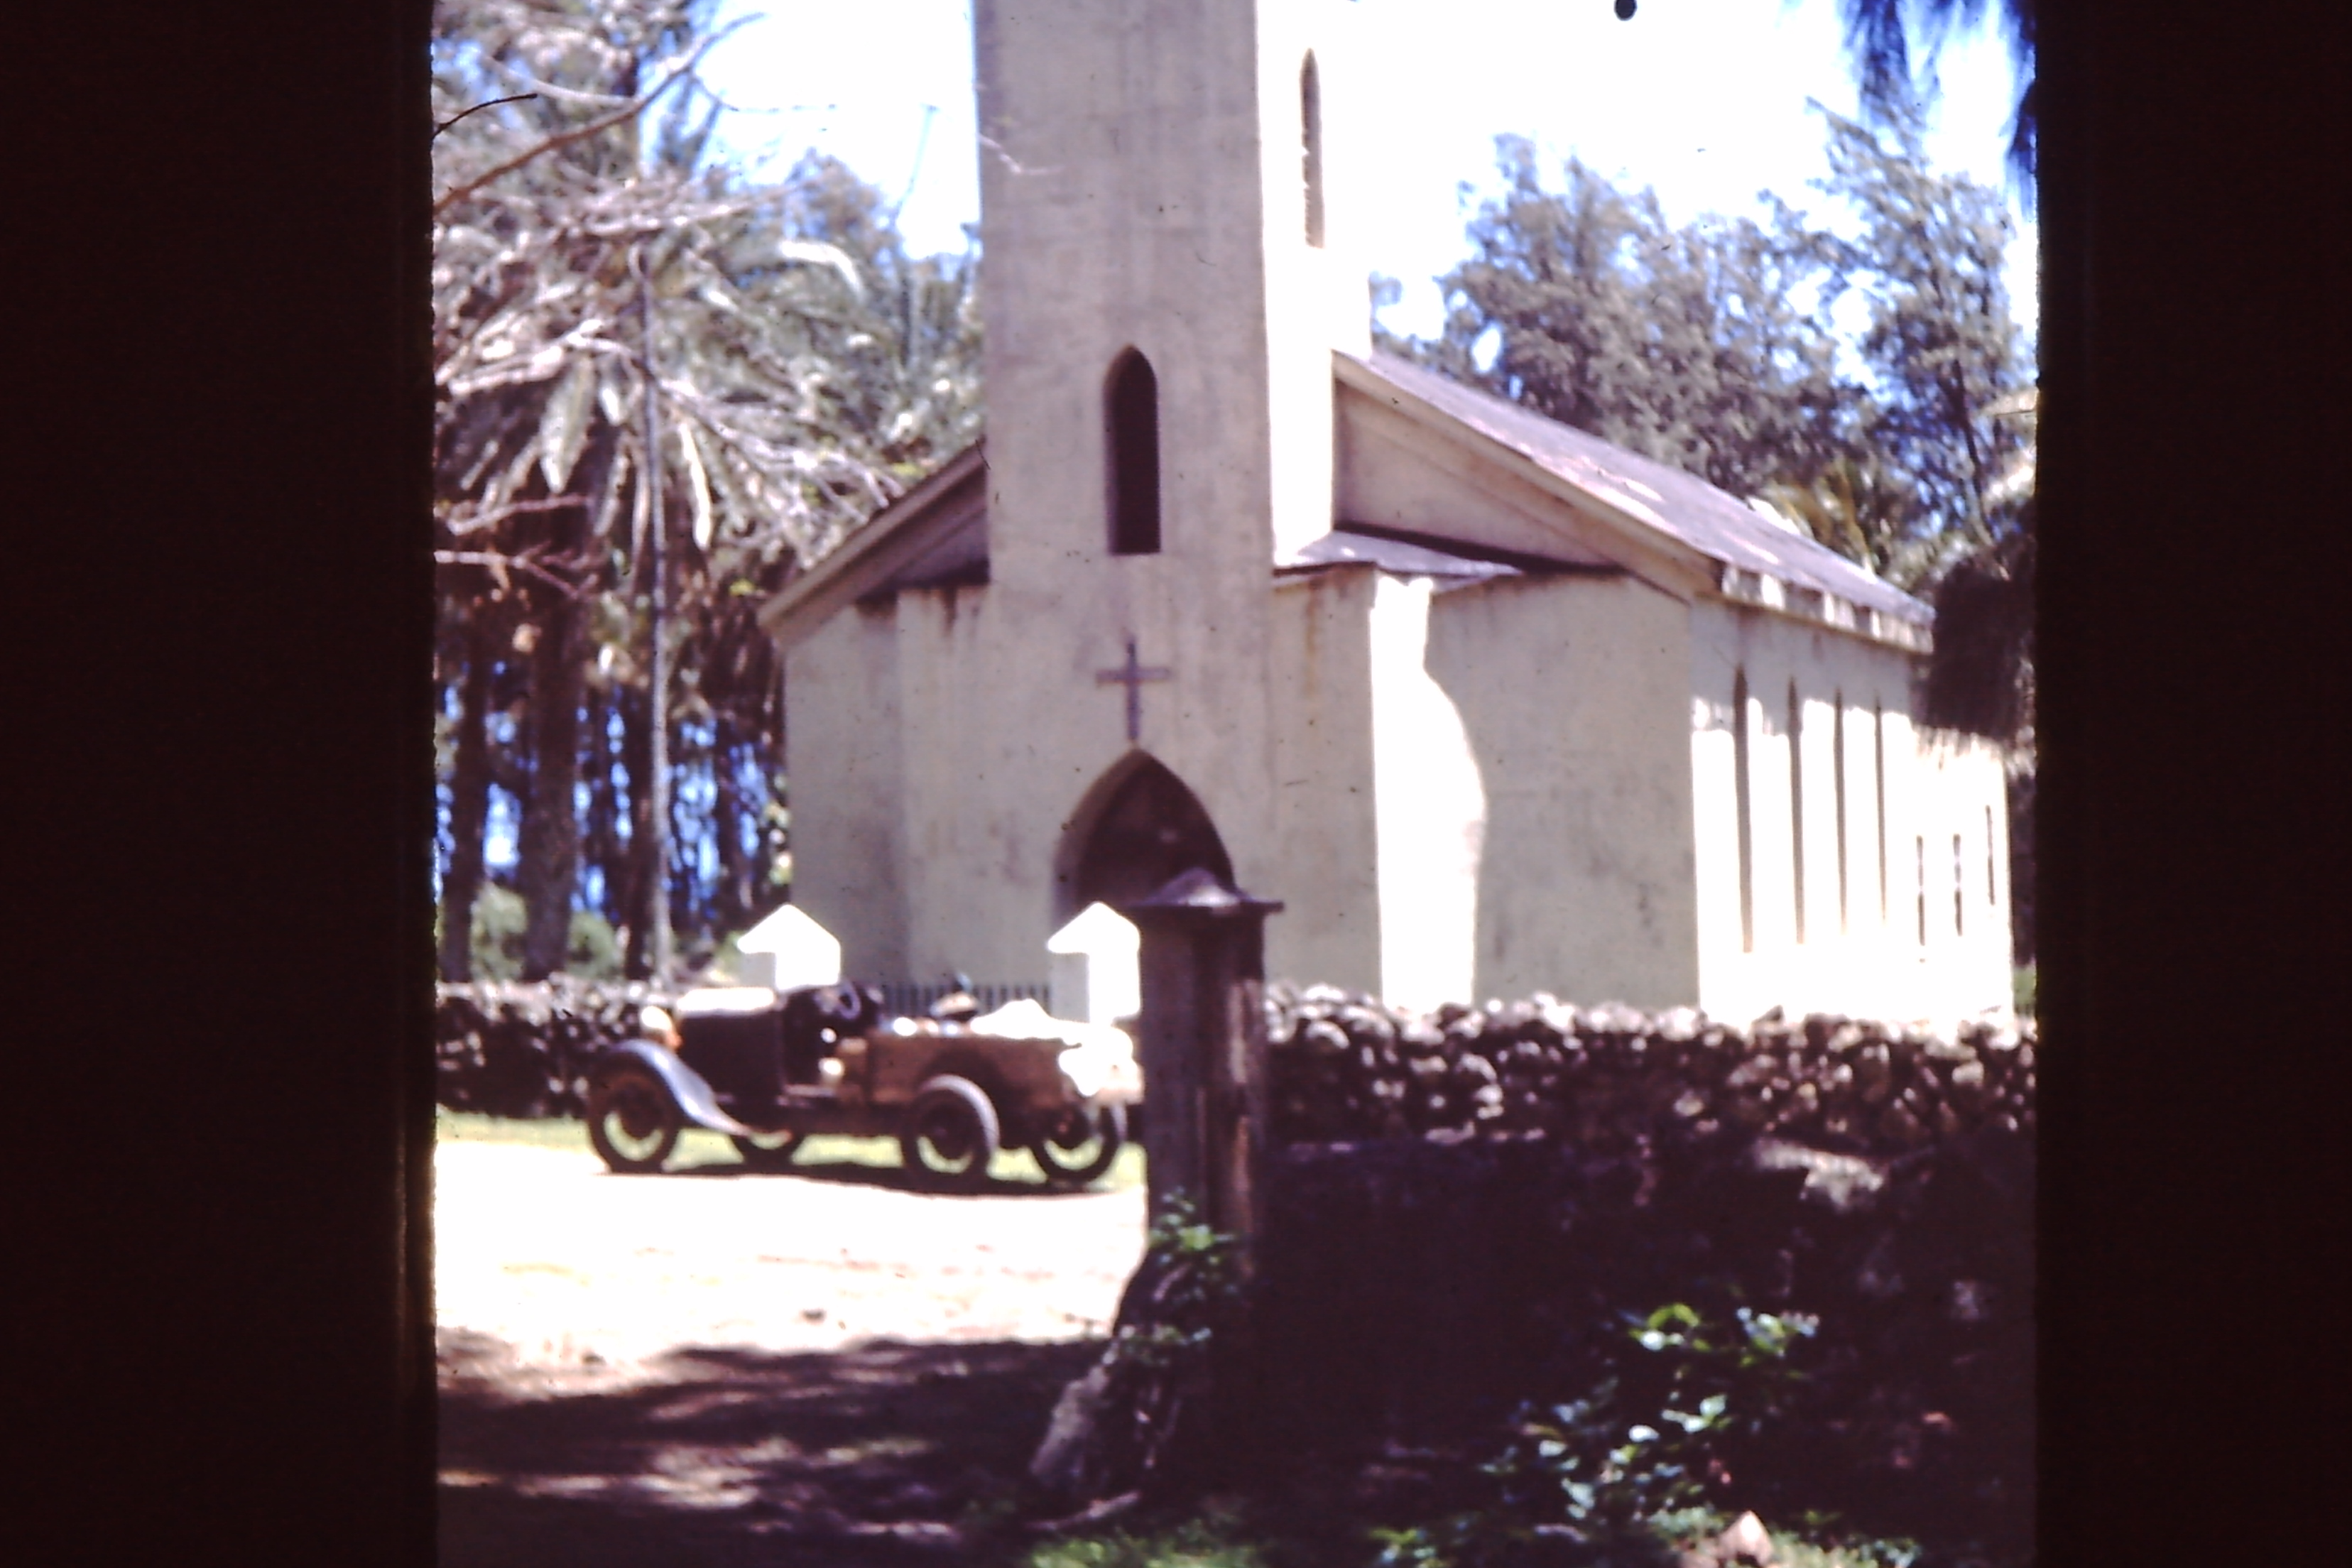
[937,533]
[1753,559]
[933,536]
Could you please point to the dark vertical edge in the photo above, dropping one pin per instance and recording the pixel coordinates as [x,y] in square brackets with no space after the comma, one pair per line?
[217,1222]
[2188,911]
[408,533]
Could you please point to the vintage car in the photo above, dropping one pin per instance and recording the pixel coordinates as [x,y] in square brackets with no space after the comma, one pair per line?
[770,1068]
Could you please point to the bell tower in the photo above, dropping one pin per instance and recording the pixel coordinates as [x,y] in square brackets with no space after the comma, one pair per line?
[1167,272]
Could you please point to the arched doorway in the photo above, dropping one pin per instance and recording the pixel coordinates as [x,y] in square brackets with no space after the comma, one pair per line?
[1140,826]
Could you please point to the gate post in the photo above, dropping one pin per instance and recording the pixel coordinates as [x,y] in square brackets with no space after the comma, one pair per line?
[1202,1051]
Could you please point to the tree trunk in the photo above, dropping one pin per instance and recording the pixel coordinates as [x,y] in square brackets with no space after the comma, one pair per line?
[632,900]
[601,846]
[470,801]
[737,891]
[548,871]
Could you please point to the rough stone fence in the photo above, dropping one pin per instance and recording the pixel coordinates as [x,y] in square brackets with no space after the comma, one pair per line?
[1460,1210]
[515,1049]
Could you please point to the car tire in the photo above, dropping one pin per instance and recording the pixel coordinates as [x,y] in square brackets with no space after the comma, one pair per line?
[1070,1162]
[948,1136]
[768,1150]
[633,1122]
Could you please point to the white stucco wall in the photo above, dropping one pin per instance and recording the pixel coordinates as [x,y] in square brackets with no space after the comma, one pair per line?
[845,761]
[1140,188]
[1865,957]
[1329,930]
[1429,806]
[1572,692]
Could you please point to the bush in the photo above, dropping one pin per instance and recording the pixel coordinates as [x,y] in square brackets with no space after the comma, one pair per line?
[499,917]
[506,1048]
[594,952]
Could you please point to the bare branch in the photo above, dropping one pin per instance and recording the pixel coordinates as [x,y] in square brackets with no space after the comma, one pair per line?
[512,509]
[582,132]
[498,563]
[493,104]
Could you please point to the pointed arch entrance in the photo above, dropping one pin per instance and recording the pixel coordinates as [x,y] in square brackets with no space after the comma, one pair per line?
[1139,827]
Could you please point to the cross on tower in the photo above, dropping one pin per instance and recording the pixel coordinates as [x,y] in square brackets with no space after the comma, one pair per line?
[1133,675]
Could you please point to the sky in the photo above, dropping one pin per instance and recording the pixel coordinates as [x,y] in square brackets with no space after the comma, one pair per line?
[1702,100]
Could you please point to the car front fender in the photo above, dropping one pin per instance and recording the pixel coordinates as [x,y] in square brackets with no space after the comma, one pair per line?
[689,1087]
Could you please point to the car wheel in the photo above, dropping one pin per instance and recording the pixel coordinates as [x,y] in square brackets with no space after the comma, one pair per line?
[632,1120]
[768,1150]
[949,1134]
[1081,1147]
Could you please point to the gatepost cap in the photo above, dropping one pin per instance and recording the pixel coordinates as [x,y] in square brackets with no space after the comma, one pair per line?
[1200,891]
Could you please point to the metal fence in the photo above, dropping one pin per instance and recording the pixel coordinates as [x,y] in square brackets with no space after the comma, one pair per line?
[908,998]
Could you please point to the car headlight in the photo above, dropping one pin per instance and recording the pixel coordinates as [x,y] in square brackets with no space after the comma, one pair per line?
[658,1026]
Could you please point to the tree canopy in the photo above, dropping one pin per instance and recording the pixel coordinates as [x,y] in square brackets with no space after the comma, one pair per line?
[1901,438]
[627,332]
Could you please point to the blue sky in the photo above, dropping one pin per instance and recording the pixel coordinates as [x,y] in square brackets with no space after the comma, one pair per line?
[1705,100]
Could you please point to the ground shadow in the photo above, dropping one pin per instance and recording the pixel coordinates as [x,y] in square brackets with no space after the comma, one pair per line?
[884,1454]
[891,1178]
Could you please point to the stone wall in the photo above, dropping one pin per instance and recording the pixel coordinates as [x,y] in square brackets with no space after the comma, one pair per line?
[1461,1212]
[1605,1080]
[507,1048]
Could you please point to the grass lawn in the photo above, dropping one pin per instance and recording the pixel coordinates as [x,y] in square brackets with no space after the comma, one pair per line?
[698,1146]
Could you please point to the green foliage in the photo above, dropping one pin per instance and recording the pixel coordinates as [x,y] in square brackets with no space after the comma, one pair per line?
[1647,1435]
[1194,1543]
[808,370]
[1943,356]
[592,954]
[1710,346]
[1195,1291]
[499,921]
[1690,345]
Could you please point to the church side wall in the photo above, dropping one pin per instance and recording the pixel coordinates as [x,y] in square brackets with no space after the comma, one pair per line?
[1430,806]
[1857,946]
[980,838]
[1569,695]
[845,764]
[1321,684]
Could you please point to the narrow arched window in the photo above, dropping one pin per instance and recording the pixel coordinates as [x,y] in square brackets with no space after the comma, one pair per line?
[1796,804]
[1131,428]
[1919,853]
[1959,885]
[1991,894]
[1741,801]
[1310,121]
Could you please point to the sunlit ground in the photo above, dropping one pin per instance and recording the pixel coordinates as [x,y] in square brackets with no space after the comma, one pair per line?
[715,1364]
[698,1149]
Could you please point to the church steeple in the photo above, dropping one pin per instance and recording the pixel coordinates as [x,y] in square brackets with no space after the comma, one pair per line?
[1162,211]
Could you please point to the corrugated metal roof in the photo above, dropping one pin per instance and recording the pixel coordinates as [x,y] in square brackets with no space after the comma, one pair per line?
[1679,505]
[1392,556]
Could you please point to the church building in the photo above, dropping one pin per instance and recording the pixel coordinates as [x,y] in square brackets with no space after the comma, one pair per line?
[1490,705]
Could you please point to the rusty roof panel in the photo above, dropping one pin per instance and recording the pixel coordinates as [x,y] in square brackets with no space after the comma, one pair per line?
[1679,505]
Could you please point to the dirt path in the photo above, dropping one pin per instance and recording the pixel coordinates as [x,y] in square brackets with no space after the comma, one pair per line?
[714,1366]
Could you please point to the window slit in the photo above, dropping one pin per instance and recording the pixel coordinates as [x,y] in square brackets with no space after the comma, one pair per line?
[1878,764]
[1131,421]
[1796,804]
[1837,792]
[1310,120]
[1740,797]
[1959,885]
